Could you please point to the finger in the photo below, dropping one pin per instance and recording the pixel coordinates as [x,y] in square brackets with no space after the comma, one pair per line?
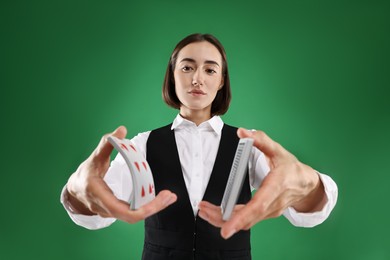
[211,213]
[102,199]
[259,208]
[164,199]
[262,141]
[106,204]
[104,148]
[242,220]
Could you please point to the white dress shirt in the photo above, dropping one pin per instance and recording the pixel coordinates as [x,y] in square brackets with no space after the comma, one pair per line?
[197,147]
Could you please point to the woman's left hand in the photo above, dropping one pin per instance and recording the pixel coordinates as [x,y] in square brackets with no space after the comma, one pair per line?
[289,183]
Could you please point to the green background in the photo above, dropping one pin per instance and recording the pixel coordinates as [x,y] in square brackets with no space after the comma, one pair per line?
[313,74]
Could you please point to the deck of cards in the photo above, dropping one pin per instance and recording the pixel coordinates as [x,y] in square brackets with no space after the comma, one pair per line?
[141,175]
[236,177]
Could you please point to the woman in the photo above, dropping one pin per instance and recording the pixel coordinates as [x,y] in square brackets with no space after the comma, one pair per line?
[190,160]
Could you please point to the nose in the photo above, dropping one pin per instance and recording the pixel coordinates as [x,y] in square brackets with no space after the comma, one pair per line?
[197,79]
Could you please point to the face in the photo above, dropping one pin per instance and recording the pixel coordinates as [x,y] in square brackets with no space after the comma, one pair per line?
[198,77]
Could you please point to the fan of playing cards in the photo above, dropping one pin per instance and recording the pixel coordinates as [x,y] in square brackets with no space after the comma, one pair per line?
[143,184]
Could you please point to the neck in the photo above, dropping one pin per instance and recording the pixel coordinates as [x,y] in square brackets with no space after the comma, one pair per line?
[197,116]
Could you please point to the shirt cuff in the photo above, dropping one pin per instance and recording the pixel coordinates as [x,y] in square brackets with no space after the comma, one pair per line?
[89,222]
[312,219]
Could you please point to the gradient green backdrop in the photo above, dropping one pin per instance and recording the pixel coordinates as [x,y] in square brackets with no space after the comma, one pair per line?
[313,74]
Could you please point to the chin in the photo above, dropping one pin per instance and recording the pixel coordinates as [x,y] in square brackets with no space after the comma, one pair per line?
[199,109]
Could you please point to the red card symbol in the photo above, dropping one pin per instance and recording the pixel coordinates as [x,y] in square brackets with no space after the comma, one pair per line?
[124,147]
[144,164]
[143,192]
[150,189]
[132,147]
[136,165]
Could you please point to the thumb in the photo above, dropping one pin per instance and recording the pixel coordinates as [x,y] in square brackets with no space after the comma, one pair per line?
[262,141]
[120,132]
[104,149]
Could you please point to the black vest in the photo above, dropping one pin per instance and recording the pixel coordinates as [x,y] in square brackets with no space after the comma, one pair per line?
[175,229]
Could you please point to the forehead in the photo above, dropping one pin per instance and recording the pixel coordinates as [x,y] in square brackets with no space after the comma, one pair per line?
[200,52]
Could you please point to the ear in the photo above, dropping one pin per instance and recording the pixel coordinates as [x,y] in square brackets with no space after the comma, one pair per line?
[222,83]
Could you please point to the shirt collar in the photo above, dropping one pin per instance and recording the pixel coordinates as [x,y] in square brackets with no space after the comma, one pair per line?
[215,124]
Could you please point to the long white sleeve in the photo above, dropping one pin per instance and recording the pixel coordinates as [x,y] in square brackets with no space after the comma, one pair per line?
[315,218]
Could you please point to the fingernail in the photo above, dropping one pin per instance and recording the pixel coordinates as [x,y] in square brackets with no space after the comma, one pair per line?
[230,233]
[249,132]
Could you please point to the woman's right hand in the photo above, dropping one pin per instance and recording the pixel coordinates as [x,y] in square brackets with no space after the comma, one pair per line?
[88,193]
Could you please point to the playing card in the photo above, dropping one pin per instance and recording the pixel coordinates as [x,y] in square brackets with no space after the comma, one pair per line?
[236,177]
[143,184]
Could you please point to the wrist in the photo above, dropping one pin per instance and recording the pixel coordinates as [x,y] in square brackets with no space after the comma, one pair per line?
[74,206]
[67,204]
[314,200]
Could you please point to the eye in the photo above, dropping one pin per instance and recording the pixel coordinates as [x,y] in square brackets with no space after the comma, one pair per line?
[210,71]
[186,69]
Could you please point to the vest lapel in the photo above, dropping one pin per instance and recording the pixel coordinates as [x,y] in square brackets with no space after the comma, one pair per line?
[223,162]
[163,158]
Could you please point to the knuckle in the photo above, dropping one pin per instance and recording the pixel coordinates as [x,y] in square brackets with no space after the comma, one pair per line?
[261,134]
[258,210]
[102,142]
[104,137]
[262,207]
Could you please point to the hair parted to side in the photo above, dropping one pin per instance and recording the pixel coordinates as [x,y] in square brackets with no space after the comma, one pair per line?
[221,102]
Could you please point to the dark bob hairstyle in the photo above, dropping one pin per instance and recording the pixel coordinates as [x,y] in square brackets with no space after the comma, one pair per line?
[222,100]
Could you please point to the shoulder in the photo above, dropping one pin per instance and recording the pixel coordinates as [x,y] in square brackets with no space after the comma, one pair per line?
[141,139]
[228,129]
[161,131]
[163,128]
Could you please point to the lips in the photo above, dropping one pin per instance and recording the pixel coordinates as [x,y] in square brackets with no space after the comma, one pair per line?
[196,92]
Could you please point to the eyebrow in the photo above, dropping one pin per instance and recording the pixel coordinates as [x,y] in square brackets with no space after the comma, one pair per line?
[207,61]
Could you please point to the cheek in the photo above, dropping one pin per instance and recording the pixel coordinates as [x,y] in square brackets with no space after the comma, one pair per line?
[179,79]
[217,84]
